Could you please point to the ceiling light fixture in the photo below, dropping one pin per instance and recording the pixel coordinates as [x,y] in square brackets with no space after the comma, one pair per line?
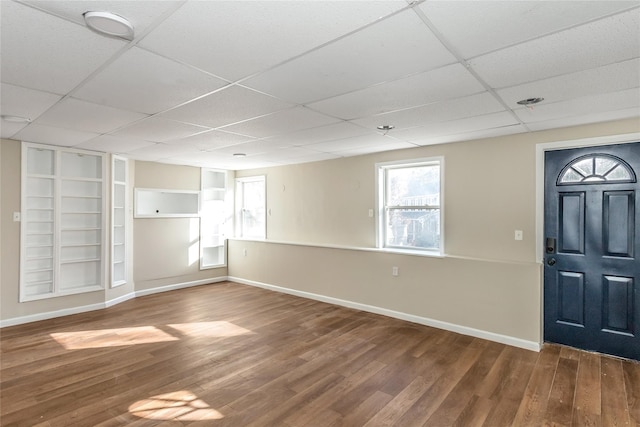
[109,24]
[386,128]
[15,119]
[239,155]
[530,101]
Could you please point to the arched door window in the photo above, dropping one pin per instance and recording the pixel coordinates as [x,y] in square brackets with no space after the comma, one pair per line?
[596,169]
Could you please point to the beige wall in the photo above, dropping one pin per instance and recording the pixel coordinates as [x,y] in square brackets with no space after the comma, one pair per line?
[9,290]
[166,250]
[160,247]
[488,280]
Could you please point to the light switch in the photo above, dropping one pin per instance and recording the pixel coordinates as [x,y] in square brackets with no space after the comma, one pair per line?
[16,217]
[518,235]
[370,213]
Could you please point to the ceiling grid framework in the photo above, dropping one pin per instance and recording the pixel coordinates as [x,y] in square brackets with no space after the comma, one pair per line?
[297,81]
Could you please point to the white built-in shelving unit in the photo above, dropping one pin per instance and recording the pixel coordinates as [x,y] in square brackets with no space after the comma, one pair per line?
[213,217]
[119,191]
[62,247]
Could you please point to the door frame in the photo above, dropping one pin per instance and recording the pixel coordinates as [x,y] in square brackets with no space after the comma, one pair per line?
[541,148]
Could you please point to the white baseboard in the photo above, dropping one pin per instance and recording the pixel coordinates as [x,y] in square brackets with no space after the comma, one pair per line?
[120,299]
[99,306]
[464,330]
[167,288]
[50,315]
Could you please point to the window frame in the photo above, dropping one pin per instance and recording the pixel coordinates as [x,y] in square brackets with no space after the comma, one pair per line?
[240,182]
[382,208]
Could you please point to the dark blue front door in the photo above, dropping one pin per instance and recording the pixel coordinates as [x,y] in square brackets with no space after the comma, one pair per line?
[592,249]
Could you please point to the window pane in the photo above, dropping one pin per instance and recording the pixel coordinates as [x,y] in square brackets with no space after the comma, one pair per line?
[413,186]
[253,209]
[417,228]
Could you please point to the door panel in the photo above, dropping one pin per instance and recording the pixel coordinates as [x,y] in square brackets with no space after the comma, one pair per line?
[591,280]
[571,233]
[618,211]
[617,305]
[571,298]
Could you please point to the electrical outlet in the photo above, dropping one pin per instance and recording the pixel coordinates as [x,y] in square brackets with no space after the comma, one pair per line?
[244,252]
[395,271]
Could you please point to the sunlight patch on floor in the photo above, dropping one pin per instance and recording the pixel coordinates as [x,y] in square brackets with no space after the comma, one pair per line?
[210,329]
[78,340]
[180,405]
[111,337]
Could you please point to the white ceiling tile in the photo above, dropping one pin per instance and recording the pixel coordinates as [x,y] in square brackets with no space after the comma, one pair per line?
[452,81]
[351,143]
[8,129]
[53,135]
[252,148]
[156,152]
[18,101]
[147,83]
[419,134]
[157,129]
[229,105]
[85,116]
[331,132]
[140,14]
[211,140]
[610,78]
[604,116]
[291,120]
[476,27]
[232,163]
[43,52]
[396,145]
[257,35]
[112,144]
[592,45]
[393,48]
[459,108]
[295,155]
[600,103]
[478,134]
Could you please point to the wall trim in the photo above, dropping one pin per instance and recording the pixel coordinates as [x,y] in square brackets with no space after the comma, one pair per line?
[14,321]
[167,288]
[50,314]
[464,330]
[118,300]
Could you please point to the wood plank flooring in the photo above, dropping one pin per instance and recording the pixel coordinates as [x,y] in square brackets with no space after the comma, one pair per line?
[232,355]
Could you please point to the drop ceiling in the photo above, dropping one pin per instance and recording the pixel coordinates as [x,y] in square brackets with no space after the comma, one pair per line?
[296,81]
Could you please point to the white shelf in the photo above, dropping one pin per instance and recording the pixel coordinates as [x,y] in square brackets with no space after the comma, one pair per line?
[62,221]
[119,201]
[156,203]
[213,214]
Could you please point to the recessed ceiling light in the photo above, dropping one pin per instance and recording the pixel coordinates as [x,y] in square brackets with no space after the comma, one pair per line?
[530,101]
[16,119]
[239,155]
[109,24]
[386,128]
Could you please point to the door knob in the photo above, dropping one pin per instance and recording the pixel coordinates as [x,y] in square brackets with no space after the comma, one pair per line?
[551,261]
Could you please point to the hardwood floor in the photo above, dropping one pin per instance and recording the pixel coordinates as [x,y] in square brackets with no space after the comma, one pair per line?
[233,355]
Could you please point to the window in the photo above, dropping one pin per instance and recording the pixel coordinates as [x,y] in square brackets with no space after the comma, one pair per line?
[250,207]
[597,169]
[409,205]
